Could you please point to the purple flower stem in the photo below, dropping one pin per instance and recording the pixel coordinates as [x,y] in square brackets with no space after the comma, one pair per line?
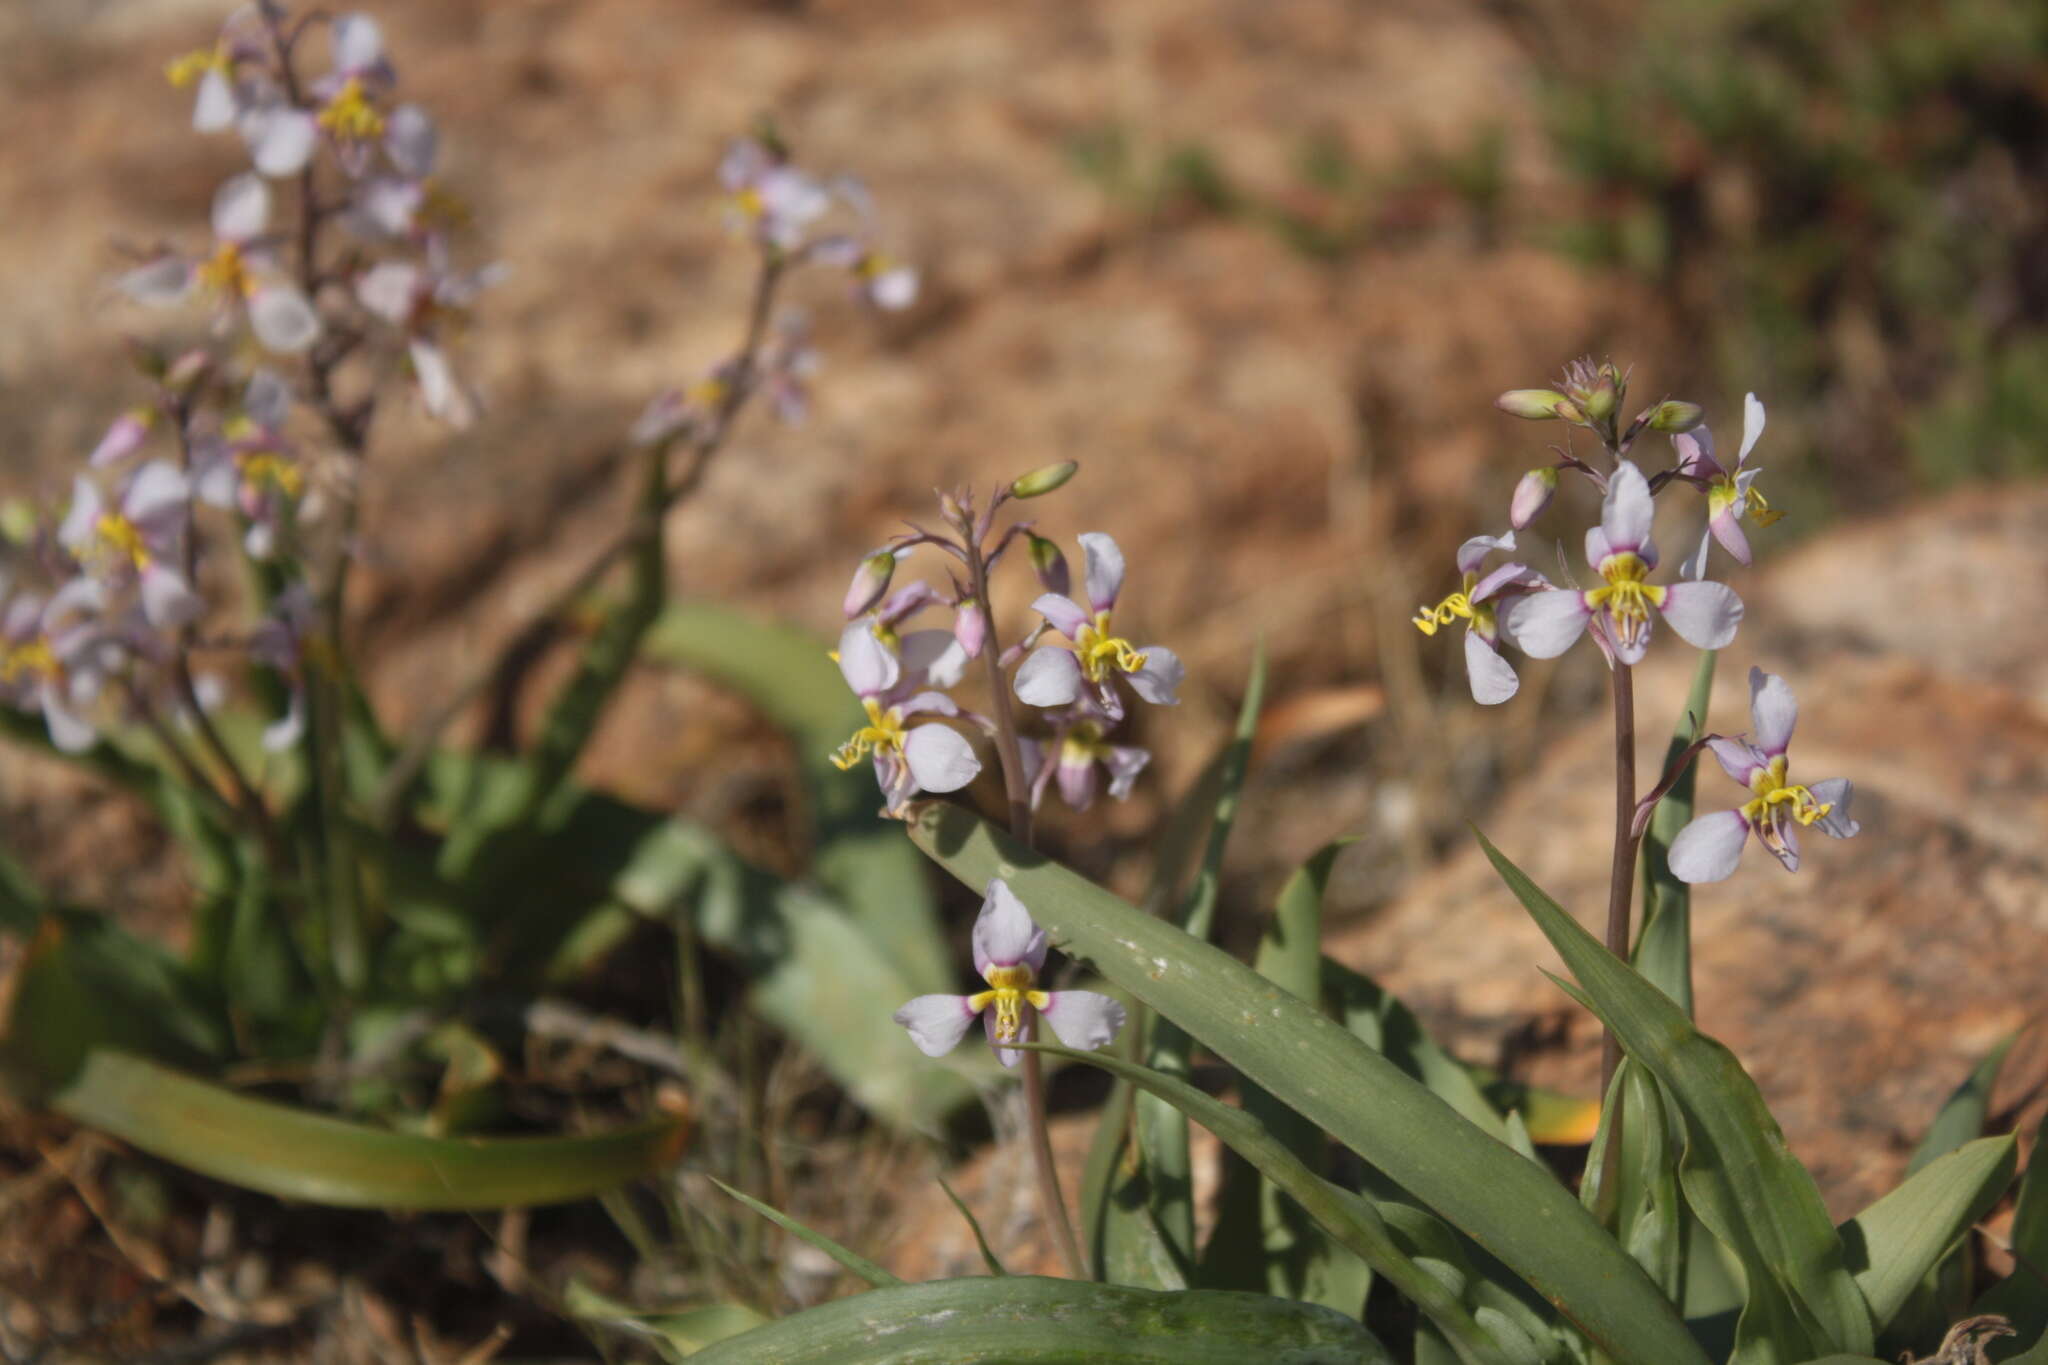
[1017,787]
[1620,893]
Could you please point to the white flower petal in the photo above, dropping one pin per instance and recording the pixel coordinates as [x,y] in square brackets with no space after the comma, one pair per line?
[282,319]
[1105,569]
[1063,612]
[411,141]
[1838,793]
[284,732]
[241,208]
[158,488]
[167,599]
[1083,1019]
[358,43]
[1705,615]
[1124,764]
[81,522]
[213,108]
[865,662]
[894,288]
[1772,712]
[160,284]
[937,1023]
[69,731]
[1161,676]
[1492,677]
[940,758]
[1475,550]
[1049,676]
[390,289]
[280,140]
[1004,932]
[1752,426]
[1628,510]
[1546,624]
[1708,849]
[444,394]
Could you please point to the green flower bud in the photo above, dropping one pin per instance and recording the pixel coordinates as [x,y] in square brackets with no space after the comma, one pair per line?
[1603,397]
[1536,405]
[17,521]
[1672,415]
[1039,482]
[1050,564]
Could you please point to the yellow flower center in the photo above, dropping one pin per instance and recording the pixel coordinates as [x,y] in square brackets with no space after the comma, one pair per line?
[1083,744]
[1626,598]
[350,116]
[33,658]
[883,734]
[261,467]
[1010,992]
[225,272]
[749,202]
[1101,653]
[708,392]
[1459,606]
[120,538]
[1773,791]
[1722,494]
[188,69]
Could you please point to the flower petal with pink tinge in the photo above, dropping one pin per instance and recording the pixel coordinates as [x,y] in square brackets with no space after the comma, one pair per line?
[1004,932]
[1546,624]
[1708,849]
[1772,712]
[1161,677]
[1050,676]
[1837,793]
[1083,1019]
[936,1023]
[940,758]
[1105,569]
[1064,613]
[1492,677]
[865,662]
[1627,512]
[1704,614]
[282,319]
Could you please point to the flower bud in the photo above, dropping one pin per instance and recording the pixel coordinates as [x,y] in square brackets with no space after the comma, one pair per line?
[1604,396]
[870,581]
[970,626]
[187,370]
[124,437]
[1042,481]
[1050,564]
[1674,416]
[956,510]
[1532,495]
[17,521]
[1535,405]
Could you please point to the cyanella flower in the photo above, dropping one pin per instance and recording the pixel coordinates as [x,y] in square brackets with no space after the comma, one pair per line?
[1731,493]
[1478,602]
[1093,654]
[771,198]
[250,466]
[1709,848]
[1545,623]
[428,301]
[241,272]
[1078,748]
[49,661]
[138,539]
[908,757]
[1009,952]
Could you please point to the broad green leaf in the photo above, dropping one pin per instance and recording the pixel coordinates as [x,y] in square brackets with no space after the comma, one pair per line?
[1502,1200]
[1663,951]
[674,1333]
[1029,1320]
[852,1261]
[1374,1015]
[1162,1130]
[859,857]
[1262,1240]
[1892,1244]
[1515,1326]
[1737,1174]
[2022,1297]
[1342,1215]
[280,1150]
[1962,1114]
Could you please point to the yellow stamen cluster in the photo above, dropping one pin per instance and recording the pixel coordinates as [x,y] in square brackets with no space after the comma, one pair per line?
[118,537]
[33,658]
[883,734]
[708,393]
[1723,494]
[1010,992]
[350,116]
[226,273]
[1456,607]
[188,69]
[1101,653]
[1626,598]
[261,467]
[1772,790]
[750,203]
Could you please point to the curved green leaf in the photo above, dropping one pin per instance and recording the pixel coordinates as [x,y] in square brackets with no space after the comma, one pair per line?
[850,1260]
[1896,1241]
[1505,1202]
[675,1334]
[1028,1319]
[1737,1173]
[1663,951]
[1350,1219]
[279,1150]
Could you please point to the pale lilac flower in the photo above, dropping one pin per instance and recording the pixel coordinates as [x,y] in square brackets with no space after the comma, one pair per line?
[787,363]
[250,466]
[50,662]
[770,198]
[213,73]
[1731,493]
[124,436]
[879,279]
[138,539]
[241,272]
[1093,654]
[1078,756]
[1479,602]
[386,206]
[1544,624]
[279,641]
[1009,952]
[426,301]
[1709,848]
[908,757]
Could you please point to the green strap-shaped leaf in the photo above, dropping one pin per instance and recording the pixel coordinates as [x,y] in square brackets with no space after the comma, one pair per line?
[1032,1320]
[1386,1025]
[1351,1220]
[2022,1297]
[1896,1241]
[1162,1129]
[1505,1202]
[1663,951]
[675,1334]
[1738,1174]
[279,1150]
[1961,1117]
[860,858]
